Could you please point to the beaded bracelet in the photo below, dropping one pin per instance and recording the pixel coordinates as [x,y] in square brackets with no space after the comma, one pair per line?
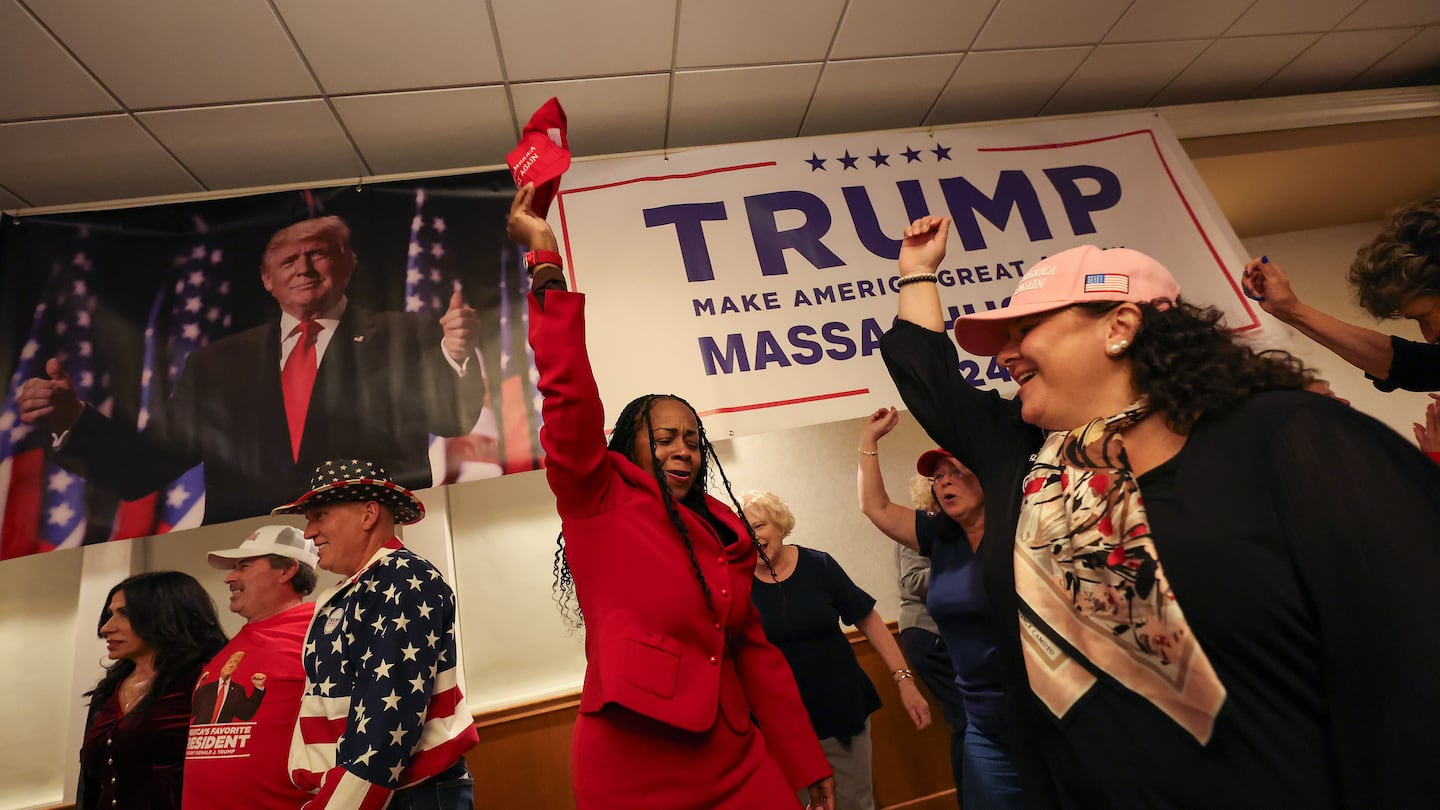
[916,278]
[902,675]
[865,452]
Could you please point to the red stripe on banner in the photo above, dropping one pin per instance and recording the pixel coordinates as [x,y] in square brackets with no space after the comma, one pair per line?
[22,505]
[425,764]
[565,230]
[321,730]
[135,518]
[1155,142]
[519,452]
[443,704]
[779,402]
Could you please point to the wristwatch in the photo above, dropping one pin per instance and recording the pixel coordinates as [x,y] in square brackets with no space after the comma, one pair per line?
[535,258]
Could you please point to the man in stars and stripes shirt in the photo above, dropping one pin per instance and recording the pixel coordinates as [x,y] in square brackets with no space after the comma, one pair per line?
[382,715]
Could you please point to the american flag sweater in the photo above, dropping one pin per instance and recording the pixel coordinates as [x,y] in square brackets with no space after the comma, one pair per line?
[383,707]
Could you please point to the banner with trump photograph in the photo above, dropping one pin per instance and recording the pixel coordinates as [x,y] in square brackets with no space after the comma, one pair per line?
[756,279]
[143,351]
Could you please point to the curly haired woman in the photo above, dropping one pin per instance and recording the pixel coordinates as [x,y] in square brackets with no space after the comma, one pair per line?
[1198,603]
[685,703]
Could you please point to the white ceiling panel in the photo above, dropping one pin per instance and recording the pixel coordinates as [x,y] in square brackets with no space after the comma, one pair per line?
[9,202]
[1232,68]
[1281,17]
[995,85]
[434,129]
[739,104]
[1411,62]
[1158,20]
[257,144]
[726,33]
[1334,60]
[622,114]
[76,160]
[899,27]
[1392,13]
[1119,76]
[365,46]
[1017,24]
[566,39]
[40,78]
[161,53]
[877,93]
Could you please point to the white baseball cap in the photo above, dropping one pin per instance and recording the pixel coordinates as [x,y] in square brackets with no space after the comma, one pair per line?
[287,541]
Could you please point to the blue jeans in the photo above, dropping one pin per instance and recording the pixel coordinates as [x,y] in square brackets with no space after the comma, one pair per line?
[451,789]
[991,781]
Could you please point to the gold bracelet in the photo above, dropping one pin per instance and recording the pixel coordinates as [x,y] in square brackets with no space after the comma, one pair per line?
[902,675]
[865,452]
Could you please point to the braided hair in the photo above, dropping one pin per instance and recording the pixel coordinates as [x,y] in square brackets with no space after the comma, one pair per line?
[622,440]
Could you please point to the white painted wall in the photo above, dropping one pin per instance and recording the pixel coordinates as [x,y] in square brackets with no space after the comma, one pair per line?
[515,648]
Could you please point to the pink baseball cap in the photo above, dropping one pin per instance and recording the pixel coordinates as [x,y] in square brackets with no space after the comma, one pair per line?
[1075,276]
[543,154]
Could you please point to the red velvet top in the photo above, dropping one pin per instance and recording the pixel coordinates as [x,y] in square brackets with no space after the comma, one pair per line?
[136,761]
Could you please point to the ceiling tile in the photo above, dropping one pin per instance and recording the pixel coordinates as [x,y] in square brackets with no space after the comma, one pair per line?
[1412,62]
[434,129]
[81,160]
[9,202]
[889,27]
[1017,24]
[162,53]
[1334,60]
[607,116]
[364,46]
[1154,20]
[1392,14]
[996,85]
[595,39]
[1280,17]
[726,33]
[40,77]
[871,94]
[1231,68]
[1117,77]
[740,104]
[248,145]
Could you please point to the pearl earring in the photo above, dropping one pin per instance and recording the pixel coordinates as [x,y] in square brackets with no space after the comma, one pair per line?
[1119,346]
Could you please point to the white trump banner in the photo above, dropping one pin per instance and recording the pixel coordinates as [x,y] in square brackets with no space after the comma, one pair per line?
[755,280]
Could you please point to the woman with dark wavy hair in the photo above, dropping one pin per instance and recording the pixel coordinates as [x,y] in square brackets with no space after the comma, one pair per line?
[159,628]
[685,703]
[1210,586]
[1397,275]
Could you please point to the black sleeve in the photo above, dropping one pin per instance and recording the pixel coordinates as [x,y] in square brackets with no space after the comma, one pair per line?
[850,600]
[980,428]
[925,533]
[1360,509]
[1416,367]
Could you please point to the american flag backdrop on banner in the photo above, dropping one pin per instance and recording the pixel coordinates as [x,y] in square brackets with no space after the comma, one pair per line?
[190,312]
[45,507]
[429,285]
[519,398]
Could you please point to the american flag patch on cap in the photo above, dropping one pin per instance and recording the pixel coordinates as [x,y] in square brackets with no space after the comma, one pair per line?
[1107,282]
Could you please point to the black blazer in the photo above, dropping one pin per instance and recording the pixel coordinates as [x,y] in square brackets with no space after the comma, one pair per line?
[383,386]
[240,704]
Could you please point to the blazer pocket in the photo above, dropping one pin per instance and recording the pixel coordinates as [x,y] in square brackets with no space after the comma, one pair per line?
[652,663]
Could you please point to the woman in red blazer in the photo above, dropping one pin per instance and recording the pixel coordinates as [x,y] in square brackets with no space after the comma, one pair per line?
[677,661]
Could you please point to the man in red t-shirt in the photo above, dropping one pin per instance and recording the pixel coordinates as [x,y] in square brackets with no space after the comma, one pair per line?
[248,696]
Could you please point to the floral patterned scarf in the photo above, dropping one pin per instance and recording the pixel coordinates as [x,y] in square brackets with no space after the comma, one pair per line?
[1093,595]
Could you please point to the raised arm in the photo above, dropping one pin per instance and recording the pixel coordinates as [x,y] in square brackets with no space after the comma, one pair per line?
[896,521]
[1366,349]
[921,252]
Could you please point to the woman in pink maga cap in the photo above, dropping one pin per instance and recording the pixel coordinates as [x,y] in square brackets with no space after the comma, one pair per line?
[1210,585]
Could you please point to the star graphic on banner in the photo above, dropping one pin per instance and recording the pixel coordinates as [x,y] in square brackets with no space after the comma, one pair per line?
[847,161]
[911,156]
[941,152]
[817,163]
[880,160]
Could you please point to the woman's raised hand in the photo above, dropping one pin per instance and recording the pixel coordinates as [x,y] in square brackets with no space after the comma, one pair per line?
[881,422]
[923,248]
[1266,283]
[524,227]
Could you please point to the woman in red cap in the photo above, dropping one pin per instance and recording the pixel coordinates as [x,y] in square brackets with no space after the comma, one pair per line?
[1194,608]
[685,703]
[950,538]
